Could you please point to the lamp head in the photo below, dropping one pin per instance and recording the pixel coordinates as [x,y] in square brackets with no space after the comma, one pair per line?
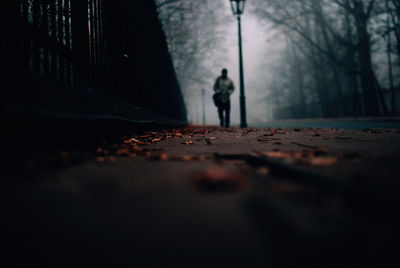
[238,6]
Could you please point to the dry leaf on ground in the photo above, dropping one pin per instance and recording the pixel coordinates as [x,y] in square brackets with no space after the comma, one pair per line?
[191,158]
[219,179]
[322,161]
[162,156]
[315,157]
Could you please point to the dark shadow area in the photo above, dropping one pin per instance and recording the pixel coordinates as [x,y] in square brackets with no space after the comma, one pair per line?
[86,59]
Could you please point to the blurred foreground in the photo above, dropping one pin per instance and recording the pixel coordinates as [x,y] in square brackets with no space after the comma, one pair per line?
[202,196]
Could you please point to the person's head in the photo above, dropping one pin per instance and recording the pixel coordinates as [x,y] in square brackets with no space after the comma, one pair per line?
[224,73]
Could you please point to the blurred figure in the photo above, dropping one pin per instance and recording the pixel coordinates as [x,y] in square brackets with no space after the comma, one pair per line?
[223,88]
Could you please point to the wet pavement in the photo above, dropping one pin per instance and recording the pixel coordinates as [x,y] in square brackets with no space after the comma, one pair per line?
[206,196]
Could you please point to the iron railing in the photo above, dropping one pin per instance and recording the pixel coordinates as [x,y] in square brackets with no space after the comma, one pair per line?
[63,40]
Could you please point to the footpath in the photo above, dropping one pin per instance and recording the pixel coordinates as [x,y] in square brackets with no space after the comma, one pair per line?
[207,196]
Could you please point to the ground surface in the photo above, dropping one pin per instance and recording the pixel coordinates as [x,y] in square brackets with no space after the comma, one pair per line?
[205,196]
[342,123]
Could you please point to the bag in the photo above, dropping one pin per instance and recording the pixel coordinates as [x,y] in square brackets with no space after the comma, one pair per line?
[217,99]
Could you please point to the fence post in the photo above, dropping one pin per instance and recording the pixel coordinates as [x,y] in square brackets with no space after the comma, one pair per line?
[80,42]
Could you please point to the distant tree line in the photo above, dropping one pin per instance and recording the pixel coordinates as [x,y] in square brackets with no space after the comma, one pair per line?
[194,37]
[329,59]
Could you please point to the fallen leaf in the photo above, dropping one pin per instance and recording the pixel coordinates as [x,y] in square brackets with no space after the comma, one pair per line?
[263,139]
[100,159]
[123,152]
[323,161]
[295,154]
[187,142]
[191,158]
[131,140]
[203,158]
[162,156]
[111,159]
[277,154]
[219,179]
[188,158]
[263,171]
[143,143]
[184,158]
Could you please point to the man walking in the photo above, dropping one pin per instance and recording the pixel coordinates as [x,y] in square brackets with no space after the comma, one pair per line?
[223,88]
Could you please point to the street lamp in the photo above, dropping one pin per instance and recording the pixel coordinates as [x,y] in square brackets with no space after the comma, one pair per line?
[238,9]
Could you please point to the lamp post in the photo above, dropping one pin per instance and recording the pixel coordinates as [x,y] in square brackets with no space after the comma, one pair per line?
[238,9]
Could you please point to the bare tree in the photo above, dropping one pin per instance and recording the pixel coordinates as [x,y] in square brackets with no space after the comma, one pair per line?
[394,12]
[339,35]
[193,33]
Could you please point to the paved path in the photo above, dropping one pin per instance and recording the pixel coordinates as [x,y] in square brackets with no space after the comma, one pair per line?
[342,123]
[166,199]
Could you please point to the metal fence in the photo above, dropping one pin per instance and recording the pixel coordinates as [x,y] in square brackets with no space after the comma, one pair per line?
[114,49]
[61,39]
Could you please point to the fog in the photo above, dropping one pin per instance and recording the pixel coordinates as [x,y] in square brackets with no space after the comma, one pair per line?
[301,59]
[254,56]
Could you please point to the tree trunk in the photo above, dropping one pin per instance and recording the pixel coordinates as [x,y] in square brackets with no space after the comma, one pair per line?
[364,52]
[351,72]
[381,97]
[299,83]
[391,83]
[355,98]
[395,15]
[327,41]
[319,75]
[389,56]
